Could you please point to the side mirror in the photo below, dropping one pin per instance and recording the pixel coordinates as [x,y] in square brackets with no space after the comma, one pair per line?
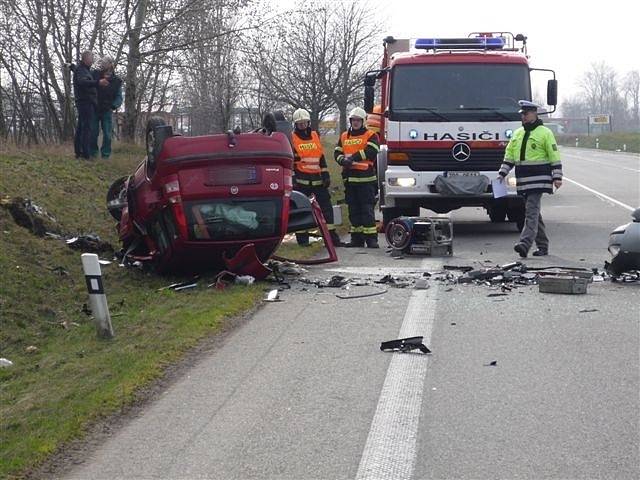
[368,98]
[552,92]
[300,213]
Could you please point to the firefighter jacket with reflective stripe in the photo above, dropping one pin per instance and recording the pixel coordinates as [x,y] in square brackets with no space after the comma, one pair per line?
[309,164]
[362,147]
[534,152]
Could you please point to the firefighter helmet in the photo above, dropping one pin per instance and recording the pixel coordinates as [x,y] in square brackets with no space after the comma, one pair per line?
[358,113]
[301,115]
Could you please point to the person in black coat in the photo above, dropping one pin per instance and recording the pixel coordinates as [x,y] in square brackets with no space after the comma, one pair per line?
[85,86]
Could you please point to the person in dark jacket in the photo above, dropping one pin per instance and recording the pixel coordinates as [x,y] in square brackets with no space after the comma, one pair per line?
[109,100]
[85,86]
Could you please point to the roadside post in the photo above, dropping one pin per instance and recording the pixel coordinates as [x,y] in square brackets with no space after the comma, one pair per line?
[97,297]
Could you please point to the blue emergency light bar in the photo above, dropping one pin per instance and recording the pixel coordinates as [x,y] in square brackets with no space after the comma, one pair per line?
[478,43]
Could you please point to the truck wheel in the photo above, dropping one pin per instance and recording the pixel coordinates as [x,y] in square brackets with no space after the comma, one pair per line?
[497,211]
[516,215]
[389,214]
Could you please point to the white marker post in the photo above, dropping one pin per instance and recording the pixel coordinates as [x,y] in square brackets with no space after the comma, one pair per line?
[97,298]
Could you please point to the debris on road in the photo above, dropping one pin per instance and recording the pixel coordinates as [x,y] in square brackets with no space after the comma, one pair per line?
[397,282]
[272,296]
[491,364]
[562,284]
[404,345]
[421,284]
[632,276]
[588,310]
[364,295]
[461,268]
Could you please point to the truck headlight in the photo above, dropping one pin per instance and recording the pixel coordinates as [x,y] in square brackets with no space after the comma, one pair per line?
[402,182]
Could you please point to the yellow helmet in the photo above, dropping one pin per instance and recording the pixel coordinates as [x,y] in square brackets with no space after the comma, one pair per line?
[301,115]
[358,113]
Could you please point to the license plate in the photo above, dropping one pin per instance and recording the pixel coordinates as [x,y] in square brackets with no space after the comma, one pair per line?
[462,174]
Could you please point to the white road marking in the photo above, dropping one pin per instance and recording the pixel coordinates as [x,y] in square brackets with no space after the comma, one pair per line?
[582,159]
[601,195]
[390,450]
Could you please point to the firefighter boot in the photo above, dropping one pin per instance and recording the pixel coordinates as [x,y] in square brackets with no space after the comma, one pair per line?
[335,238]
[357,240]
[372,240]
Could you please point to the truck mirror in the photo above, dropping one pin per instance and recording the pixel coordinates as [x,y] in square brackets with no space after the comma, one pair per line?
[552,92]
[368,98]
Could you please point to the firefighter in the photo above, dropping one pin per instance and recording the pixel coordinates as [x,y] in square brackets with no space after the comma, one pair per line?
[311,175]
[356,152]
[534,152]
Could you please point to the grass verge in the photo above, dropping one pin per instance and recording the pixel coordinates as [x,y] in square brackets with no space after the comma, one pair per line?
[607,141]
[63,378]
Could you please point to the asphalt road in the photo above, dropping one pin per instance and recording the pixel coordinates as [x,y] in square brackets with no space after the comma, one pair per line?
[301,391]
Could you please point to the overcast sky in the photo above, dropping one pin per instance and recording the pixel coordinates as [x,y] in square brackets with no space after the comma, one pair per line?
[566,36]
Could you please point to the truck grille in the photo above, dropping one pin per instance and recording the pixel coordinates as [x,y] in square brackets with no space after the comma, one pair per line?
[436,159]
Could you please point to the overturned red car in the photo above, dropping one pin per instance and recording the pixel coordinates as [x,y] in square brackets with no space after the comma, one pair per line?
[211,202]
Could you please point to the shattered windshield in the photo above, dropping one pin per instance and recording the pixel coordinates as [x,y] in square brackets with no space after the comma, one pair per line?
[479,92]
[223,220]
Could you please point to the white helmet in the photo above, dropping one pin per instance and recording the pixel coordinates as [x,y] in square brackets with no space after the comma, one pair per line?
[358,113]
[301,115]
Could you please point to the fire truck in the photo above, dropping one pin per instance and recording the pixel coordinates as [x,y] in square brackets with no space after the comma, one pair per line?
[447,109]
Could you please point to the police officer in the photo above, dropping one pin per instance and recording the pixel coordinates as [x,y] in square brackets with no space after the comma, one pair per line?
[356,152]
[311,175]
[534,152]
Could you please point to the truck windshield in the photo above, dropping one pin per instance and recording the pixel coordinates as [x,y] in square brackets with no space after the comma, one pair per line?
[451,91]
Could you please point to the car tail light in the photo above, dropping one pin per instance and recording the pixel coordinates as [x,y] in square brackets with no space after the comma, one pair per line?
[172,191]
[172,187]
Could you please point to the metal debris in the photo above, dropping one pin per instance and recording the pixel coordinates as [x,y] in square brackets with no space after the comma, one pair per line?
[404,345]
[272,296]
[179,286]
[29,215]
[89,244]
[364,295]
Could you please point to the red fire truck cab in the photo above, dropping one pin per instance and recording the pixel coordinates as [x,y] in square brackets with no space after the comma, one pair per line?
[448,107]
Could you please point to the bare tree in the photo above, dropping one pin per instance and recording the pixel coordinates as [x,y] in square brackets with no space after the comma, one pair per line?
[631,88]
[355,30]
[295,62]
